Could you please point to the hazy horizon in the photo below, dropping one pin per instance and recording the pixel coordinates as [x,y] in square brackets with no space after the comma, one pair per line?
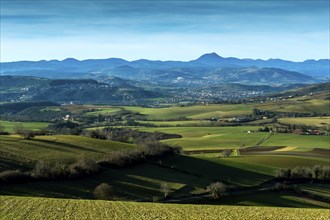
[164,30]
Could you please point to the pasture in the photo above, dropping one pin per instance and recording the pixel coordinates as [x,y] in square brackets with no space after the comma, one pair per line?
[298,142]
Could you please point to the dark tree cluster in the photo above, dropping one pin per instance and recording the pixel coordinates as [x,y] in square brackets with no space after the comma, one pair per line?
[144,151]
[316,172]
[51,171]
[128,135]
[65,127]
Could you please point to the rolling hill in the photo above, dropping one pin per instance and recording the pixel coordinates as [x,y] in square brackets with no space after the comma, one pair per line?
[113,90]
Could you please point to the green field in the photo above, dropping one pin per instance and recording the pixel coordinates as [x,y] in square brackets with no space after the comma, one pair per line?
[298,142]
[9,125]
[204,138]
[18,152]
[192,112]
[311,121]
[42,208]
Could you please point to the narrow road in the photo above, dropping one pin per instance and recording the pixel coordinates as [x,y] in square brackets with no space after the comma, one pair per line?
[264,139]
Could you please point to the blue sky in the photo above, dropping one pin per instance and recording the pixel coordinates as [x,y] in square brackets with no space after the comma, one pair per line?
[164,30]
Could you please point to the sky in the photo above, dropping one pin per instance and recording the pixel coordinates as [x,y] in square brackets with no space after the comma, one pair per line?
[164,30]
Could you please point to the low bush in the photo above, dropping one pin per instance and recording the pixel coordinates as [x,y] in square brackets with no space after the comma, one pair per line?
[84,166]
[103,191]
[280,186]
[14,176]
[217,189]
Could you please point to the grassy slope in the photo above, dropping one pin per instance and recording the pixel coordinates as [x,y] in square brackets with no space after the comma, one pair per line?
[196,138]
[40,208]
[194,112]
[301,142]
[20,153]
[9,125]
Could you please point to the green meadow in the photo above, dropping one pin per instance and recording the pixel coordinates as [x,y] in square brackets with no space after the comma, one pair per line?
[10,125]
[298,142]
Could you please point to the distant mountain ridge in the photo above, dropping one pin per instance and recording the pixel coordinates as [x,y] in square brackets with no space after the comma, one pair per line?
[71,67]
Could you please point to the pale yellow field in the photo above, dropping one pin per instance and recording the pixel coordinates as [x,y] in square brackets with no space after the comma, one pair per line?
[44,208]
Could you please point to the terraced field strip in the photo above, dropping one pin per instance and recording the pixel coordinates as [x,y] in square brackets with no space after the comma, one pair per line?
[44,208]
[310,121]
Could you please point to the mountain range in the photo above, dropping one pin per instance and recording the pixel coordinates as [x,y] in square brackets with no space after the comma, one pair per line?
[117,81]
[206,66]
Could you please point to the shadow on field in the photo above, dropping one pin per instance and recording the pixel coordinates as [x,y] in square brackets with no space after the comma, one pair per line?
[64,147]
[275,199]
[214,171]
[184,175]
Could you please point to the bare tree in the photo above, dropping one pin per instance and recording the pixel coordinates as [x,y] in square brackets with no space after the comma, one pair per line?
[165,189]
[217,189]
[226,153]
[18,128]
